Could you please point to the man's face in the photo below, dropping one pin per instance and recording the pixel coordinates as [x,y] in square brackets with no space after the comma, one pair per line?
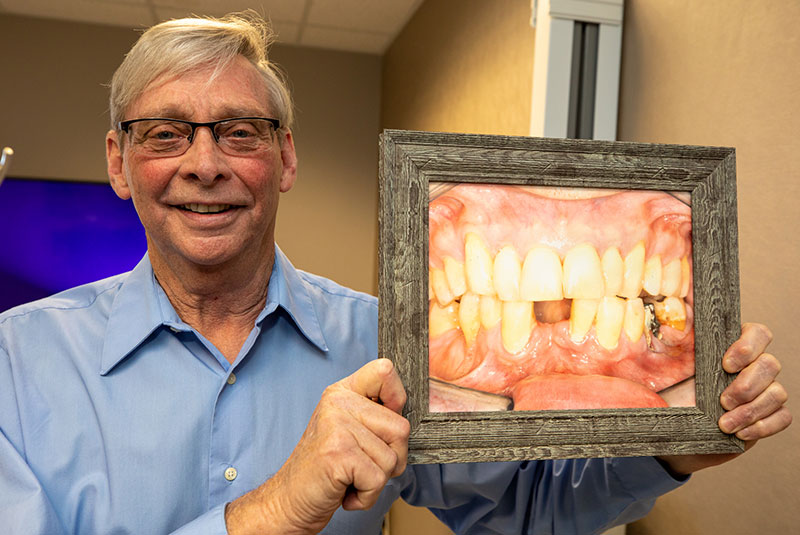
[204,207]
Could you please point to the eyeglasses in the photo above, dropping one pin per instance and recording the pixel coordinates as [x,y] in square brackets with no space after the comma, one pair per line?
[160,137]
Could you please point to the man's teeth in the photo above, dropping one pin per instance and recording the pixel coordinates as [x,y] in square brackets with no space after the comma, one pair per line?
[541,276]
[507,268]
[686,277]
[469,316]
[456,279]
[613,271]
[652,275]
[442,319]
[478,265]
[634,319]
[206,208]
[491,311]
[441,289]
[516,325]
[583,273]
[605,291]
[672,312]
[633,272]
[581,317]
[671,277]
[610,317]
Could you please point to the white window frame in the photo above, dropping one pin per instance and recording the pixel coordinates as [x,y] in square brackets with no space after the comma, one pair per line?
[554,21]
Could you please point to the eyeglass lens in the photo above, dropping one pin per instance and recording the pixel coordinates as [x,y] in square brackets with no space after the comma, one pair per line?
[171,138]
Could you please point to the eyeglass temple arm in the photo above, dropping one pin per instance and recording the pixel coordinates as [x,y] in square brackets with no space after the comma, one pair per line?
[5,162]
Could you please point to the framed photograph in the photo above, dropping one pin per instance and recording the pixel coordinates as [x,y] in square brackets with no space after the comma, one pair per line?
[554,298]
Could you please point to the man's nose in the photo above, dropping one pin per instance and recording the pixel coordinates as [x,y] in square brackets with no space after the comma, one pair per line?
[204,160]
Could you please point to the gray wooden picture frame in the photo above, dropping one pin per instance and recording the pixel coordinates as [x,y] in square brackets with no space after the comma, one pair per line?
[410,160]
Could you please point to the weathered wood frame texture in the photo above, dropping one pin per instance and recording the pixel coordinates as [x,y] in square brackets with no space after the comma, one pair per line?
[410,160]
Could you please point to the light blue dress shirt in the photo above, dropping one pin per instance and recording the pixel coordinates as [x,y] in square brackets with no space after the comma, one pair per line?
[118,417]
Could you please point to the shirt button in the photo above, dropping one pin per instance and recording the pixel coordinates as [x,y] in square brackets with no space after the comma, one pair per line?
[231,378]
[231,473]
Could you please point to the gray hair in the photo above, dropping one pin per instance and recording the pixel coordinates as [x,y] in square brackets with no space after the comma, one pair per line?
[178,46]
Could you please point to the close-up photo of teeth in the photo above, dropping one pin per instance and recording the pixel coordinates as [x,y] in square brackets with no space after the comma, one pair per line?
[559,298]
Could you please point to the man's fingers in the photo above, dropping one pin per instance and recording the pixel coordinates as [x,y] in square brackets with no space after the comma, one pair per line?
[769,402]
[374,463]
[351,447]
[359,500]
[751,381]
[370,439]
[389,455]
[772,424]
[378,380]
[384,438]
[386,424]
[754,340]
[368,479]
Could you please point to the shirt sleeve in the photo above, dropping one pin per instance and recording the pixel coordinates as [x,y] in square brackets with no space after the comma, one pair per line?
[24,505]
[578,496]
[210,523]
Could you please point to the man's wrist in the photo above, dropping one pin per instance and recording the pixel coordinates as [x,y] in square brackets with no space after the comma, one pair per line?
[260,512]
[245,515]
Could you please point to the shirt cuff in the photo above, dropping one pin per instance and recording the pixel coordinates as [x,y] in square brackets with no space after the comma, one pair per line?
[210,523]
[644,477]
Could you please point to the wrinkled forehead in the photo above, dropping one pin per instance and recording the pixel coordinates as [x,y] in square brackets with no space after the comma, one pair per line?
[206,92]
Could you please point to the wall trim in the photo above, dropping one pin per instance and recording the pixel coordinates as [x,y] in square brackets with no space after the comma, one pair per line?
[598,11]
[554,21]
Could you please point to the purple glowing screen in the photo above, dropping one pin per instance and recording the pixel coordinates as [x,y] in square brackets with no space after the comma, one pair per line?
[55,235]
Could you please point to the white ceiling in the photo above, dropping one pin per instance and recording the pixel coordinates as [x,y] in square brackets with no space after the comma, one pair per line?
[353,25]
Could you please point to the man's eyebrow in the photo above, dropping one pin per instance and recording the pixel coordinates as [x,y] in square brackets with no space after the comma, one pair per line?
[236,111]
[175,112]
[170,112]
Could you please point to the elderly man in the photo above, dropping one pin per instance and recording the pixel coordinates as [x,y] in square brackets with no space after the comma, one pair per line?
[216,389]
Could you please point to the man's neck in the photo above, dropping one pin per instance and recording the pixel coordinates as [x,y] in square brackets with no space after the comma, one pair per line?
[220,302]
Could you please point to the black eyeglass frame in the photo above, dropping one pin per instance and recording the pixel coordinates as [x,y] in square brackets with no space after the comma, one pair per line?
[124,126]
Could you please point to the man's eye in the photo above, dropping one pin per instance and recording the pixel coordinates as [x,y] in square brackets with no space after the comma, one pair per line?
[162,134]
[238,131]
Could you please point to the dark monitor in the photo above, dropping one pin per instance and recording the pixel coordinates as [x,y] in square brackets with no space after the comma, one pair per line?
[58,234]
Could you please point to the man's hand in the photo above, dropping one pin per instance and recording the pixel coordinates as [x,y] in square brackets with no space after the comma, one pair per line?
[355,442]
[754,401]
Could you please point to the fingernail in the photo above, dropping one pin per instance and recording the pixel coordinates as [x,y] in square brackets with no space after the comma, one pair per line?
[726,401]
[726,424]
[745,434]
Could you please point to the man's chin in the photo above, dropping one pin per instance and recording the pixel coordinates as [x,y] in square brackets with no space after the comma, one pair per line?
[205,253]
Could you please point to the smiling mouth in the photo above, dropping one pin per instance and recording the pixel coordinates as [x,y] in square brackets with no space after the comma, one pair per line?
[206,208]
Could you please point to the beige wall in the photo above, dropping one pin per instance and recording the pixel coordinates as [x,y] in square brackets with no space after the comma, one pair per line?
[53,112]
[53,102]
[461,66]
[725,72]
[328,222]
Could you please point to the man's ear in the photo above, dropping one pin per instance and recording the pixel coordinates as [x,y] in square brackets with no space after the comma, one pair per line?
[289,159]
[116,172]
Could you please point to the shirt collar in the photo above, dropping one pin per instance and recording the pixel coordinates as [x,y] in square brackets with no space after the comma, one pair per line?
[288,290]
[141,307]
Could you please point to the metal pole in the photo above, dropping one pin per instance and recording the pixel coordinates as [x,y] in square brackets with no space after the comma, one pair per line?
[5,162]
